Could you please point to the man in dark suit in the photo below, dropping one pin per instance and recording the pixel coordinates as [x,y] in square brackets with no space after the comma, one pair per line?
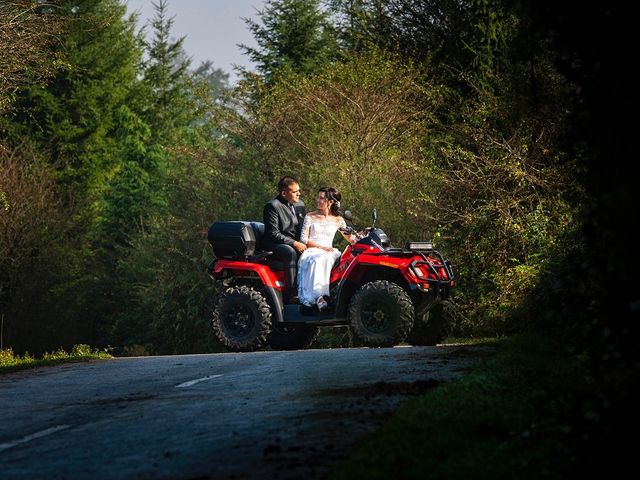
[283,218]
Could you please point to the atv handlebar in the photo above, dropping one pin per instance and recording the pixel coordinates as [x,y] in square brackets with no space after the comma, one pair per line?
[356,236]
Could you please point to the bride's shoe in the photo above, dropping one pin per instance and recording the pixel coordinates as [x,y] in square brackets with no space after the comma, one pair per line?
[321,303]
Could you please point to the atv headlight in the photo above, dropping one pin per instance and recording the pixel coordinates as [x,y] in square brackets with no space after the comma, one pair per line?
[421,272]
[420,246]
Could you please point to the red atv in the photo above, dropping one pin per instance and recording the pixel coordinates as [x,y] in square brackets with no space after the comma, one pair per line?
[385,295]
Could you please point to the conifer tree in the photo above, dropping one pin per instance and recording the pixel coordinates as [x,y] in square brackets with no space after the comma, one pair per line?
[295,35]
[75,118]
[168,106]
[155,203]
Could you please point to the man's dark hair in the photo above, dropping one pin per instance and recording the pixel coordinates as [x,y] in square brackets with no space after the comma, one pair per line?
[285,182]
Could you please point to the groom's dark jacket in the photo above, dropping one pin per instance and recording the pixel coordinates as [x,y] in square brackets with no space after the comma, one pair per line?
[282,223]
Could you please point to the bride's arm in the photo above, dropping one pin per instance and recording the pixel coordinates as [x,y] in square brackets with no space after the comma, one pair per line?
[304,231]
[349,237]
[311,243]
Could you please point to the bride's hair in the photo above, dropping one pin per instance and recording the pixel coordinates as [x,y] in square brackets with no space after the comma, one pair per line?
[333,195]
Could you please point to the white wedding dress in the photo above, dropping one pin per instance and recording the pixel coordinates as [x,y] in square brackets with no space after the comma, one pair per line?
[314,265]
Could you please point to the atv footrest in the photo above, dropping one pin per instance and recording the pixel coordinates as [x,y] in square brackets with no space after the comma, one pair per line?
[303,314]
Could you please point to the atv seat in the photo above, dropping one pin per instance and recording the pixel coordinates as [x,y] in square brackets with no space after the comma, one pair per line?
[258,231]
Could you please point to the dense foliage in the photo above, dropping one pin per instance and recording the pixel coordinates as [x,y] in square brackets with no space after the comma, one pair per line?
[469,123]
[98,164]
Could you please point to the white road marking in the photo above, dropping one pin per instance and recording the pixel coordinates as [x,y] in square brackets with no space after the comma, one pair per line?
[197,380]
[33,436]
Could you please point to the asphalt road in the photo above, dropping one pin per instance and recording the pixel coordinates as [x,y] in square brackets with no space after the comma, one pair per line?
[256,415]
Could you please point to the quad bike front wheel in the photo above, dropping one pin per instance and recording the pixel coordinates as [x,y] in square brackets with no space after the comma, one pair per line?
[381,314]
[242,319]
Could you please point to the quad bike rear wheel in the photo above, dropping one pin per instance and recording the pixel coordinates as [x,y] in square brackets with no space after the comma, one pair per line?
[434,326]
[381,314]
[242,319]
[291,338]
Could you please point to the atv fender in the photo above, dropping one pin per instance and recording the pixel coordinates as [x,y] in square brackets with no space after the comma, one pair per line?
[233,268]
[274,297]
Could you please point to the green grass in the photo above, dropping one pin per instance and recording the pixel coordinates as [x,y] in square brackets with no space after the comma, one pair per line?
[471,341]
[79,353]
[520,413]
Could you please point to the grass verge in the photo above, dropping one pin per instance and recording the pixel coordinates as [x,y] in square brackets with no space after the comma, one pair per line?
[79,353]
[525,412]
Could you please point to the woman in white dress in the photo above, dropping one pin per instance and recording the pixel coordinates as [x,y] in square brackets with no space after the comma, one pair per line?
[318,230]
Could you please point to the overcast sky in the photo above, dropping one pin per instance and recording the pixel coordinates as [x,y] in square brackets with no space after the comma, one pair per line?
[213,28]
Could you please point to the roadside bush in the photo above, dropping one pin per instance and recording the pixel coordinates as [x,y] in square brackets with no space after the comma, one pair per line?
[35,255]
[506,194]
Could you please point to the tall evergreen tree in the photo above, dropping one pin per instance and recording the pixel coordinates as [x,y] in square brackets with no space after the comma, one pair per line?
[166,78]
[163,192]
[295,34]
[76,117]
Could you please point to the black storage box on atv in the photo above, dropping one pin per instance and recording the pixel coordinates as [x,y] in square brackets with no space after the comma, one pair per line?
[234,239]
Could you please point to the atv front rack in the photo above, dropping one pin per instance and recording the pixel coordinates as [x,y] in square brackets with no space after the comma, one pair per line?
[439,285]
